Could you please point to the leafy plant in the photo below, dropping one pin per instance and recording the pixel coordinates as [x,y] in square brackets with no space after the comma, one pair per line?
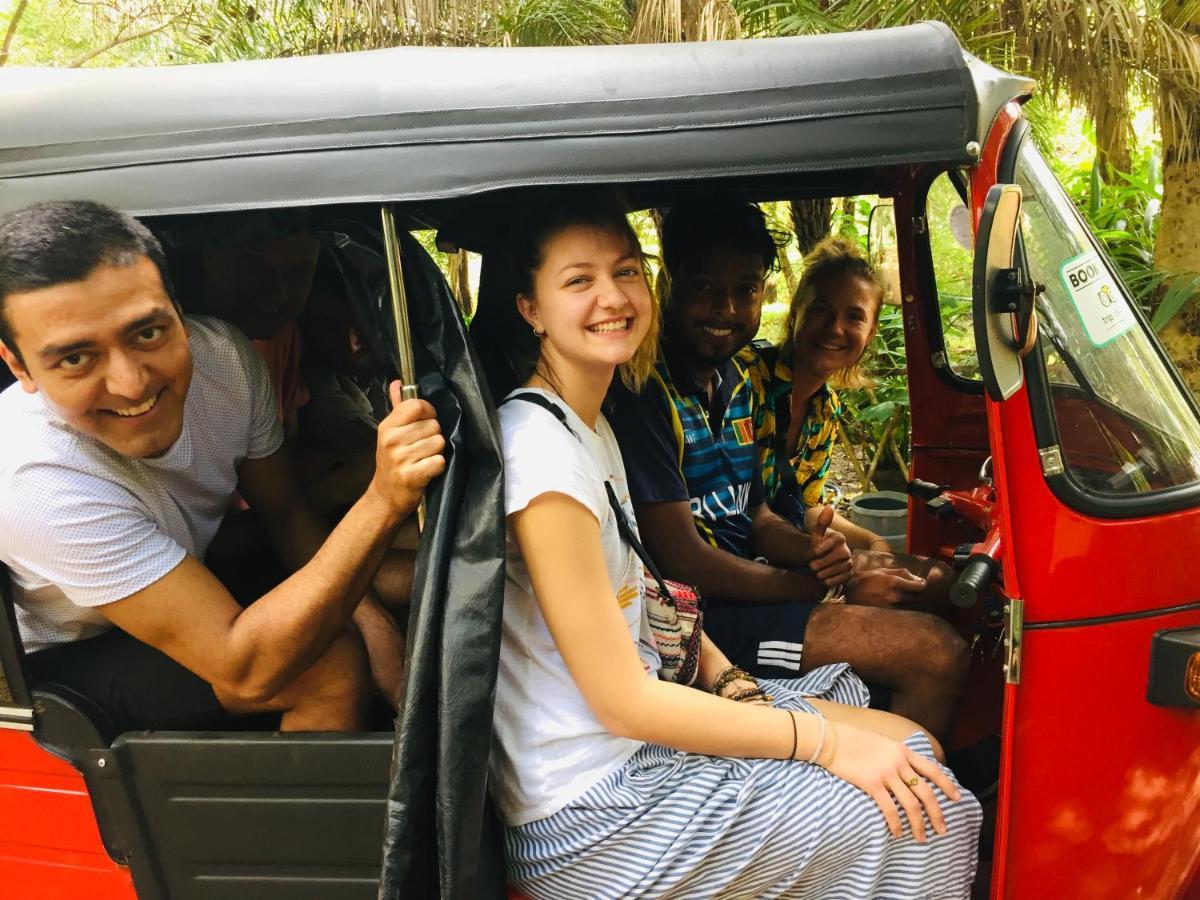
[1124,216]
[876,419]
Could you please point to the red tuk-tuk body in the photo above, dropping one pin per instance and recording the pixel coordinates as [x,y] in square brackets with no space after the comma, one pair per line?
[1075,460]
[50,844]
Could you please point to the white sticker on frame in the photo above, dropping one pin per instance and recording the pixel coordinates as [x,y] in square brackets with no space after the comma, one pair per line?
[1097,296]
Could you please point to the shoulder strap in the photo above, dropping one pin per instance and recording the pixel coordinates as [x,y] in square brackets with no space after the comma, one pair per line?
[631,538]
[545,403]
[623,526]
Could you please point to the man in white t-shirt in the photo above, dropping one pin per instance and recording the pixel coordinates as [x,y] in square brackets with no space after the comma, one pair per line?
[129,430]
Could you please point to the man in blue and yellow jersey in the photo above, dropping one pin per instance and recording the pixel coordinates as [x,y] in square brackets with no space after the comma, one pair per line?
[688,441]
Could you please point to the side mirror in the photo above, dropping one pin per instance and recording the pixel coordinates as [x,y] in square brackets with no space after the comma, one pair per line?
[1003,298]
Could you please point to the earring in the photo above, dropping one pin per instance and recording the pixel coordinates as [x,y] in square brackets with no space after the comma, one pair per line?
[538,334]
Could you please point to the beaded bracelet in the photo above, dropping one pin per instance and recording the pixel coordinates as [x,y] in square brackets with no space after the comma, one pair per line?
[750,694]
[729,675]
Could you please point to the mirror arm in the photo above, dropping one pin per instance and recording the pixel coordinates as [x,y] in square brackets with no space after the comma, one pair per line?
[1011,292]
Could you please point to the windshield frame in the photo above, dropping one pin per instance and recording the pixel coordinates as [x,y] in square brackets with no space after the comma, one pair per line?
[1063,484]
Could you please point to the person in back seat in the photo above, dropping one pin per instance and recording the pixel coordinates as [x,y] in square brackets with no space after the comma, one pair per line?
[128,432]
[613,782]
[257,271]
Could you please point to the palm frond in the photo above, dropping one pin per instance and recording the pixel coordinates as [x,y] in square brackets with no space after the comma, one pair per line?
[669,21]
[530,23]
[1098,51]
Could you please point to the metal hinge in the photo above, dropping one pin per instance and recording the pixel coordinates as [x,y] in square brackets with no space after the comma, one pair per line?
[1014,625]
[1052,463]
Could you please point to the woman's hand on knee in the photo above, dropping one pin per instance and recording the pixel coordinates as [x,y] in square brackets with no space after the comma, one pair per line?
[891,774]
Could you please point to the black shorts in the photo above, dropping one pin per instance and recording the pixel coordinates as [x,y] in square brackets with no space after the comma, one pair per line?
[767,639]
[139,687]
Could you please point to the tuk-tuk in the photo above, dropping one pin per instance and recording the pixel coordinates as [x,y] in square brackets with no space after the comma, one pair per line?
[1057,457]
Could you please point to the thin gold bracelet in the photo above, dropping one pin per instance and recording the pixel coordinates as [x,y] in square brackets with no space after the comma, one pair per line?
[820,742]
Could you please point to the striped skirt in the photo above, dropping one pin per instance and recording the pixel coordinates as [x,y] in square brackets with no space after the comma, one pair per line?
[671,824]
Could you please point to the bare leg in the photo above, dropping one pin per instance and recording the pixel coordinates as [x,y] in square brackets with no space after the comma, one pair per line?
[918,656]
[330,695]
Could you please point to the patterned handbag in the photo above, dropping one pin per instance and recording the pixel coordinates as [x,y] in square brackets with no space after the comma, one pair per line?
[672,608]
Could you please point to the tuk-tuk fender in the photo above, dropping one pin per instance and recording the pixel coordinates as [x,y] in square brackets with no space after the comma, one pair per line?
[49,841]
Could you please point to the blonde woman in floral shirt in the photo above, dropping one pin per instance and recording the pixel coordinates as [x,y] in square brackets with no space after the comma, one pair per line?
[832,320]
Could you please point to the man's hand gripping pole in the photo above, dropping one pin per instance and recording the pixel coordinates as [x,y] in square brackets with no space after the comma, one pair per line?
[408,374]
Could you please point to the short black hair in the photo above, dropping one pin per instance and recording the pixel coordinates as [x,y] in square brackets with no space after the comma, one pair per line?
[55,243]
[697,225]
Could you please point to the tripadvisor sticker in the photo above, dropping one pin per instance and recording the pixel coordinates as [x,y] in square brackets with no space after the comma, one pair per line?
[1104,311]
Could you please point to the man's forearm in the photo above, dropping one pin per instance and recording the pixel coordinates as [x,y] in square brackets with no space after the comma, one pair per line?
[284,632]
[780,541]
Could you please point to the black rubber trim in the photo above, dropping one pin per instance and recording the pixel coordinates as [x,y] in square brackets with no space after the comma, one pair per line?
[12,654]
[1109,620]
[1006,167]
[926,276]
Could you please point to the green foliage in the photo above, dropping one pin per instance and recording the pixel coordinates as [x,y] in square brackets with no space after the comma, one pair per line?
[264,29]
[874,414]
[69,32]
[544,23]
[267,29]
[977,24]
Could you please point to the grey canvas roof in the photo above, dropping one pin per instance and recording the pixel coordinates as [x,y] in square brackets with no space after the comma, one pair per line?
[418,123]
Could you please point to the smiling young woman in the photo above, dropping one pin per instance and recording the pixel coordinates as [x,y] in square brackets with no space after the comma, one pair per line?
[600,769]
[832,319]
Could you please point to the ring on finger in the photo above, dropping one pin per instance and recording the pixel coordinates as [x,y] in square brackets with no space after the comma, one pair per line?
[913,782]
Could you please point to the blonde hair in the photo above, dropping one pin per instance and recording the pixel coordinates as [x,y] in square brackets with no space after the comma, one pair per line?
[834,257]
[636,372]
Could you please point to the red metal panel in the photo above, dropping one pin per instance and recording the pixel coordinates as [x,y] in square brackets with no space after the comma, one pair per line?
[949,436]
[1105,786]
[49,843]
[1075,566]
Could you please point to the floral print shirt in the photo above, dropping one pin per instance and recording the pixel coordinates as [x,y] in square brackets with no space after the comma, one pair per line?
[793,477]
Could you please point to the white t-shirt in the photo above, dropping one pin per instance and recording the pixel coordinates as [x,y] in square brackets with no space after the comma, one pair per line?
[82,526]
[549,746]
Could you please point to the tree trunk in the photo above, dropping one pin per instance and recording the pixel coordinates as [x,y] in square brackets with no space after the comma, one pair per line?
[11,32]
[1112,141]
[849,223]
[810,221]
[460,281]
[1177,248]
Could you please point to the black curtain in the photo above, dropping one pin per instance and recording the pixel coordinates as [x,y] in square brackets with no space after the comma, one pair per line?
[442,838]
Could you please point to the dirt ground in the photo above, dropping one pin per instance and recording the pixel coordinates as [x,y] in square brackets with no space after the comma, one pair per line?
[842,474]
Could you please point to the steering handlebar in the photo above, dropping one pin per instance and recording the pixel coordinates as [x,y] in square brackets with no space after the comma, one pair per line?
[983,560]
